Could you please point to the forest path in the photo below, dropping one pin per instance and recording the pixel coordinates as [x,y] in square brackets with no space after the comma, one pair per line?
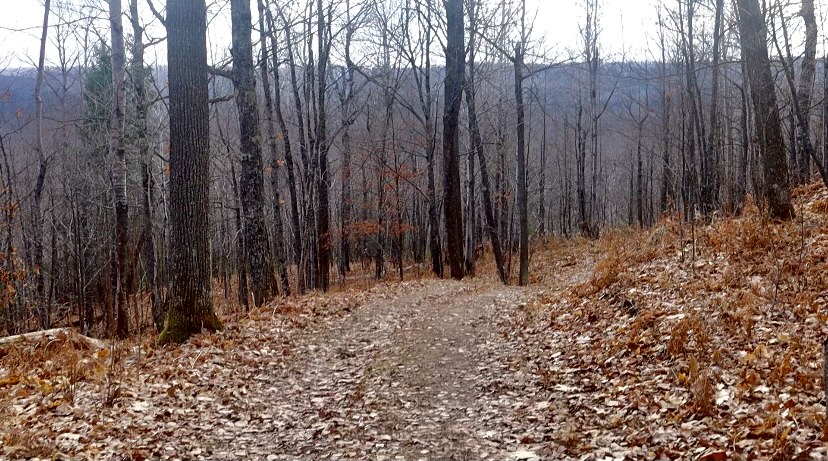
[426,369]
[415,374]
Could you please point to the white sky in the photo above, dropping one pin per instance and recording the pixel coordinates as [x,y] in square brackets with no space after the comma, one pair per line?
[626,25]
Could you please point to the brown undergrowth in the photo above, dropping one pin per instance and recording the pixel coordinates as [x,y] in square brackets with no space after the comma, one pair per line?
[712,332]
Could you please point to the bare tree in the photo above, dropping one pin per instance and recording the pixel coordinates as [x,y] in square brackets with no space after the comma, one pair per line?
[119,171]
[455,79]
[37,212]
[476,141]
[709,193]
[802,147]
[667,181]
[279,232]
[190,290]
[323,213]
[140,81]
[520,153]
[252,168]
[286,145]
[753,33]
[346,98]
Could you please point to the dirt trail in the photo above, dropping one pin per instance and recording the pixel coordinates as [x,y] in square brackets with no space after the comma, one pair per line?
[418,370]
[402,377]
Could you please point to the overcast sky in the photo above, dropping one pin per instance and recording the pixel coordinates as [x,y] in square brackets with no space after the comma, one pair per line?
[626,25]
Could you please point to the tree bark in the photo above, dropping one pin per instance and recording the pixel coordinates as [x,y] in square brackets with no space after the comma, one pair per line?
[278,224]
[252,175]
[37,237]
[454,81]
[806,87]
[477,149]
[710,173]
[301,259]
[323,214]
[287,147]
[190,290]
[139,79]
[667,181]
[520,157]
[346,97]
[471,205]
[119,171]
[753,33]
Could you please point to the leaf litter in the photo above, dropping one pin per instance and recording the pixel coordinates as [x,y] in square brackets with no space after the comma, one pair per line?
[698,343]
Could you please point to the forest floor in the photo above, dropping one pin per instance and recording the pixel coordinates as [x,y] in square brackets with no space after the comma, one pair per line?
[679,342]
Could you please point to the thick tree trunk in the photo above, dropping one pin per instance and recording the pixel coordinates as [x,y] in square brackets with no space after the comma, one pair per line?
[190,291]
[119,171]
[753,33]
[455,76]
[252,175]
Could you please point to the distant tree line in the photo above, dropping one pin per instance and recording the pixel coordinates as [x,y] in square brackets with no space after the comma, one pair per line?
[337,139]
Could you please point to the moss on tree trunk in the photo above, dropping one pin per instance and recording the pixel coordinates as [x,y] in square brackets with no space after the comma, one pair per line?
[178,329]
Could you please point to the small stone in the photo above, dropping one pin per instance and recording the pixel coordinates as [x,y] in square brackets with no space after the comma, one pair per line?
[524,456]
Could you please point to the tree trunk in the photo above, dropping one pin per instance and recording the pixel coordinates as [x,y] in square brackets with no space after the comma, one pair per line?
[471,205]
[476,142]
[435,248]
[542,181]
[345,98]
[433,222]
[119,171]
[753,33]
[286,145]
[455,76]
[471,211]
[13,314]
[37,218]
[242,267]
[190,291]
[744,125]
[802,150]
[278,224]
[139,78]
[667,181]
[710,177]
[252,175]
[520,157]
[323,213]
[301,259]
[580,167]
